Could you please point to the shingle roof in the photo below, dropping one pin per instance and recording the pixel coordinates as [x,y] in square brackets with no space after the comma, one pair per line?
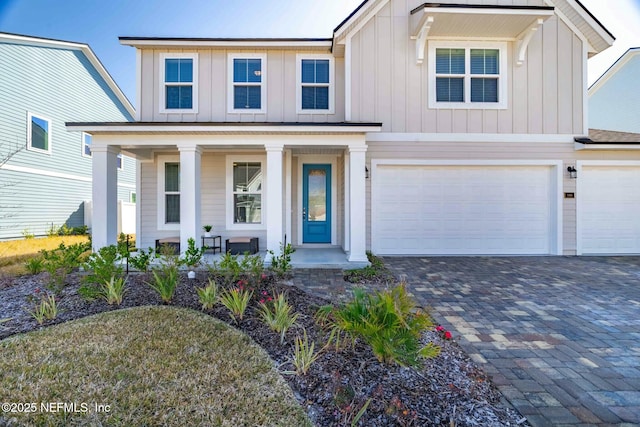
[601,136]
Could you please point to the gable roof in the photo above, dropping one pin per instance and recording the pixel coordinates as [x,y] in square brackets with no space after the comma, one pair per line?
[583,21]
[613,69]
[82,47]
[601,136]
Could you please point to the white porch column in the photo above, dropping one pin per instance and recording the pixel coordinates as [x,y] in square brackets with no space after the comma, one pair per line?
[104,228]
[347,212]
[190,160]
[273,200]
[357,204]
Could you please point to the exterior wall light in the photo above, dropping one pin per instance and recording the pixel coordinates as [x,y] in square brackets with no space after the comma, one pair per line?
[573,173]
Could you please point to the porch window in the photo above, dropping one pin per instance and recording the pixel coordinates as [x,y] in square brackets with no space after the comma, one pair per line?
[172,192]
[86,144]
[247,193]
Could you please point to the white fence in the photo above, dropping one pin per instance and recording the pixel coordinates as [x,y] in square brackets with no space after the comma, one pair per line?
[126,216]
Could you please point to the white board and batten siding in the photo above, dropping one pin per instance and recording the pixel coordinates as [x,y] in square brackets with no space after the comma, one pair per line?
[388,86]
[458,207]
[609,207]
[212,88]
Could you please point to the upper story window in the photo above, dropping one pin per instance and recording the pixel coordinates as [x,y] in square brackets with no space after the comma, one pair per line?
[247,89]
[120,161]
[86,144]
[315,84]
[38,133]
[179,82]
[467,75]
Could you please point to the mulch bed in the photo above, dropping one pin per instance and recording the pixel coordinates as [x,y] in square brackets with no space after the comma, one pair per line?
[449,390]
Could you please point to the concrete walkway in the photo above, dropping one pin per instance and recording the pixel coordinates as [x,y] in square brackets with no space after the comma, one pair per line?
[559,335]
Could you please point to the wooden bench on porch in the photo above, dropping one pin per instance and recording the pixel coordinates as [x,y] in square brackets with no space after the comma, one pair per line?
[240,245]
[172,242]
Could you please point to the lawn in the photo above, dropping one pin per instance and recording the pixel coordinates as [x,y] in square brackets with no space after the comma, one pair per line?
[14,253]
[152,366]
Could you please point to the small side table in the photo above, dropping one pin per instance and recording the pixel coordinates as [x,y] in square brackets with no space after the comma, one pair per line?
[216,243]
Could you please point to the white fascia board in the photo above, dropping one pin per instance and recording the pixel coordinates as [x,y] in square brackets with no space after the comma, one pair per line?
[369,10]
[97,129]
[228,43]
[468,137]
[605,147]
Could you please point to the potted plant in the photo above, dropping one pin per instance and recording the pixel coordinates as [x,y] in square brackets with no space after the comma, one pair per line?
[207,230]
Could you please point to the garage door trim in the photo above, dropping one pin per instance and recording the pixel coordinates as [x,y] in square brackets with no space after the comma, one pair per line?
[580,189]
[556,186]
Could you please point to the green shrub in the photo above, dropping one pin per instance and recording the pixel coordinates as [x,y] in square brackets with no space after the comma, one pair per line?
[229,268]
[277,315]
[387,321]
[34,265]
[89,291]
[103,265]
[304,354]
[141,260]
[62,261]
[375,271]
[192,256]
[281,264]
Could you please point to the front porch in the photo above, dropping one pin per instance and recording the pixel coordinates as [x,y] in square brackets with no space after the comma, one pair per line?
[305,257]
[305,184]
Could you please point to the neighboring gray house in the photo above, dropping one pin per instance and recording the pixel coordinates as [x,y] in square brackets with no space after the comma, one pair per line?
[43,84]
[614,101]
[417,128]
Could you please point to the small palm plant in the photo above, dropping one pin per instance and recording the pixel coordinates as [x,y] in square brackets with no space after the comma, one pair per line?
[277,314]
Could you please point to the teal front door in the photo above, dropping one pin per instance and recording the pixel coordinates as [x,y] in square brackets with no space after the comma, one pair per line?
[316,203]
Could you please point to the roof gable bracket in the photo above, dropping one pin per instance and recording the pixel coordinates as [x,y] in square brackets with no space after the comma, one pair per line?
[421,36]
[523,39]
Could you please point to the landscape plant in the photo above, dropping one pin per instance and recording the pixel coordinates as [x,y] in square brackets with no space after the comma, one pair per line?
[387,321]
[142,260]
[304,354]
[165,278]
[192,256]
[229,267]
[58,263]
[34,265]
[113,290]
[42,307]
[236,301]
[281,264]
[101,266]
[278,315]
[208,296]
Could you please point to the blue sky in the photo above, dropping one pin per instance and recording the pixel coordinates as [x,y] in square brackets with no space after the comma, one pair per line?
[100,22]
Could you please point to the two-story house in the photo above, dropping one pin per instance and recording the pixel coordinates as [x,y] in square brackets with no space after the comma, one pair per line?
[418,128]
[45,170]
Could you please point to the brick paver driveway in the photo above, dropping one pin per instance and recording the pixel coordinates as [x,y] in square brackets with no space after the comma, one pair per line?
[560,335]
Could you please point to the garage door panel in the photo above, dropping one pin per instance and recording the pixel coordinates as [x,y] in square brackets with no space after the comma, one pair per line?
[609,209]
[463,210]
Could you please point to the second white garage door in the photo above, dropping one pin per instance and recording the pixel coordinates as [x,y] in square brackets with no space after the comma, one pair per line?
[463,210]
[609,209]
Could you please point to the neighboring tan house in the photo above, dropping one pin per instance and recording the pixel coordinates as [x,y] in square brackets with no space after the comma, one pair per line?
[45,83]
[418,128]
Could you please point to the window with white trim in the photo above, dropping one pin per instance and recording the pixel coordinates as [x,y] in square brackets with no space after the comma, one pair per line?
[247,88]
[467,75]
[38,133]
[168,192]
[120,161]
[245,188]
[179,82]
[86,144]
[315,84]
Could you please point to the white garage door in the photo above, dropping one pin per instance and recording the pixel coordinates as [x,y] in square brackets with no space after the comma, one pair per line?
[462,210]
[609,209]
